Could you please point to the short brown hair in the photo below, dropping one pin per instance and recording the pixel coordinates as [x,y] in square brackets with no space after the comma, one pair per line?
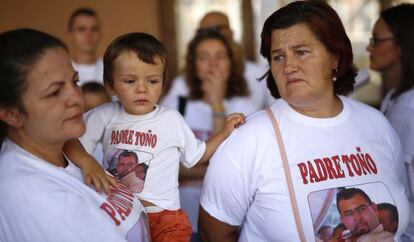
[81,11]
[144,45]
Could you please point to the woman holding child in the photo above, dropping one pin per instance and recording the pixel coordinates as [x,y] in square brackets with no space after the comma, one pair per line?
[276,178]
[43,195]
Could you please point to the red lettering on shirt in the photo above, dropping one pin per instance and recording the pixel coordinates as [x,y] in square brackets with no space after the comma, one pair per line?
[133,137]
[329,168]
[119,204]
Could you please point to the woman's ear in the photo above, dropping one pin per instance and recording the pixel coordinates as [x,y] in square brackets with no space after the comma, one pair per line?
[11,116]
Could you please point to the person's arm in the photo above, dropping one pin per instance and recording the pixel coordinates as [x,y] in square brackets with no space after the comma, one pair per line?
[211,229]
[93,173]
[232,121]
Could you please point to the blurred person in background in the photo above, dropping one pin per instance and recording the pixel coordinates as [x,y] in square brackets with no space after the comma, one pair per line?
[84,29]
[259,95]
[391,51]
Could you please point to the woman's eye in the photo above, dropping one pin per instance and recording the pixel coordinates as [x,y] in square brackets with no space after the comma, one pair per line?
[278,58]
[302,52]
[54,94]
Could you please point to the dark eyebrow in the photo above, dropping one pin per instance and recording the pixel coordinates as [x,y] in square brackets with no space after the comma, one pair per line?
[293,47]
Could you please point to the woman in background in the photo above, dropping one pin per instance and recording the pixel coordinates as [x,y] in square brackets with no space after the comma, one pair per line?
[391,52]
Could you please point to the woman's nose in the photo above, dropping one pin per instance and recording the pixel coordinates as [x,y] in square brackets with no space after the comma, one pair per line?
[290,65]
[213,62]
[75,96]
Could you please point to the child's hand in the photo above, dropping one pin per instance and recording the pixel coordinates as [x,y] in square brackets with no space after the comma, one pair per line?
[94,175]
[233,121]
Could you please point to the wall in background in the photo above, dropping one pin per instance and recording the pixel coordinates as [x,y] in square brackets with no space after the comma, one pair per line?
[51,16]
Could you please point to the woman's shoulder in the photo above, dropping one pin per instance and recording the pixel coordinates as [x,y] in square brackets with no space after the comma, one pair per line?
[366,116]
[359,108]
[406,98]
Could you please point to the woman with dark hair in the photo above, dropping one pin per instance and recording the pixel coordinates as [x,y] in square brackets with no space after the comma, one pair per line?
[391,52]
[43,194]
[216,82]
[274,179]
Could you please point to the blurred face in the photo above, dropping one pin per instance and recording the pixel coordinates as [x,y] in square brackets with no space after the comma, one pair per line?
[212,59]
[52,100]
[137,84]
[92,100]
[219,22]
[126,164]
[385,219]
[384,53]
[301,66]
[85,33]
[358,215]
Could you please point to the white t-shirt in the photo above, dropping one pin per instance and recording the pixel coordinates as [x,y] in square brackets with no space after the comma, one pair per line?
[89,72]
[400,112]
[199,117]
[43,202]
[260,96]
[159,140]
[245,181]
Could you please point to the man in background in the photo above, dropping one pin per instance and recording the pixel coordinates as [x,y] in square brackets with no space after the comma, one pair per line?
[84,33]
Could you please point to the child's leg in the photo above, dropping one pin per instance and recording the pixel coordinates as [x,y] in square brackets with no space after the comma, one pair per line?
[168,226]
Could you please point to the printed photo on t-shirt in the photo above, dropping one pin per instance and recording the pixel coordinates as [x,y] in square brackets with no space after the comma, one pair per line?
[130,167]
[364,212]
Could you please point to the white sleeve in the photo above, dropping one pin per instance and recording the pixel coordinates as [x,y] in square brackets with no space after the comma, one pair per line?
[191,148]
[225,195]
[73,219]
[402,119]
[96,121]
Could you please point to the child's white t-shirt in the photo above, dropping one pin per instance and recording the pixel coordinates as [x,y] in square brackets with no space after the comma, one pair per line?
[159,140]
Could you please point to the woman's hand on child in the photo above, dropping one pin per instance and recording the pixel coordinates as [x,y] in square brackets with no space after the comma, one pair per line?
[94,175]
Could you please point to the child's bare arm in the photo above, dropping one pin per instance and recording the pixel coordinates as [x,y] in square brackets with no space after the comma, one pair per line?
[93,173]
[232,121]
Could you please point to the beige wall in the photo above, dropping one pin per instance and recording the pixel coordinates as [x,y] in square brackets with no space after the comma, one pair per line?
[117,17]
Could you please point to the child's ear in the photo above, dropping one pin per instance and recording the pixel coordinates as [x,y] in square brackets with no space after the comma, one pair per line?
[11,116]
[109,89]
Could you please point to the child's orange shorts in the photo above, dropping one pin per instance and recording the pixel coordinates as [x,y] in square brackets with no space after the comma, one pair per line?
[169,226]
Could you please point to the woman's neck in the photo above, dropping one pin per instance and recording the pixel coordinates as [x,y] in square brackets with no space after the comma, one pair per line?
[321,108]
[50,152]
[392,76]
